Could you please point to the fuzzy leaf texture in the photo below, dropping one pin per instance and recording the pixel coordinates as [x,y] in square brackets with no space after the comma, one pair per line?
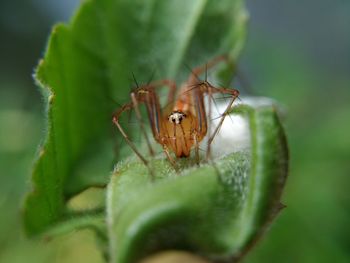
[88,64]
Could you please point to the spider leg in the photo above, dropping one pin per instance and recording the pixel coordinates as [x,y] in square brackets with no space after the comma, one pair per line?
[116,116]
[140,120]
[234,93]
[166,82]
[171,159]
[154,112]
[210,97]
[194,77]
[196,143]
[196,148]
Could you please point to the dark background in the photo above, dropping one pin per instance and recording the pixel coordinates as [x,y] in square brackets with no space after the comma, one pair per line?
[297,53]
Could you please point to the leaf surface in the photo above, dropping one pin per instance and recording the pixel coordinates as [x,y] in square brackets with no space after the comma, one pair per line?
[218,212]
[87,66]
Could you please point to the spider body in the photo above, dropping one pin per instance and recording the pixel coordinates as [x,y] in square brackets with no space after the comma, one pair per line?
[183,123]
[186,125]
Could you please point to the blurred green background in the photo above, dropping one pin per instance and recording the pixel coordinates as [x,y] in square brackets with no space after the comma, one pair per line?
[297,53]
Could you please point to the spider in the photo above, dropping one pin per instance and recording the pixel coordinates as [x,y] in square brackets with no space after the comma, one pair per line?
[183,123]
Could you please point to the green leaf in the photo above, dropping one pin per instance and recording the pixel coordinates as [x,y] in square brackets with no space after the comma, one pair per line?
[88,65]
[218,212]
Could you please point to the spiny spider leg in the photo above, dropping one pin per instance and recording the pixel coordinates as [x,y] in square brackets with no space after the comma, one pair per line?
[197,88]
[138,115]
[140,120]
[145,94]
[196,147]
[234,93]
[201,69]
[116,117]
